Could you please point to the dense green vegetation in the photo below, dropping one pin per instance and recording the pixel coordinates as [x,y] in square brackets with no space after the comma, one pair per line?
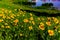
[39,9]
[16,24]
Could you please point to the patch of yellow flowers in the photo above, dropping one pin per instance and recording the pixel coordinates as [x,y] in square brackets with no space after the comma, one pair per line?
[7,17]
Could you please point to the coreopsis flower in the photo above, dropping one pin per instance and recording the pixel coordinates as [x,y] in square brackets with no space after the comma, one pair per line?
[16,21]
[38,18]
[59,31]
[31,18]
[56,27]
[30,27]
[4,17]
[41,27]
[51,32]
[6,23]
[29,21]
[7,26]
[1,20]
[48,23]
[30,14]
[53,18]
[33,22]
[3,9]
[56,20]
[26,20]
[41,23]
[21,34]
[10,11]
[1,15]
[12,16]
[2,26]
[6,11]
[8,17]
[23,15]
[48,18]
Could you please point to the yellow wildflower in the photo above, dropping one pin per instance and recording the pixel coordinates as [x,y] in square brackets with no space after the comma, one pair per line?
[8,17]
[12,16]
[3,9]
[41,23]
[31,18]
[48,18]
[6,23]
[16,21]
[6,11]
[38,18]
[30,28]
[1,14]
[33,22]
[10,11]
[56,27]
[41,27]
[30,14]
[53,18]
[56,20]
[59,31]
[29,21]
[7,26]
[1,20]
[21,34]
[2,26]
[51,32]
[48,23]
[3,17]
[26,20]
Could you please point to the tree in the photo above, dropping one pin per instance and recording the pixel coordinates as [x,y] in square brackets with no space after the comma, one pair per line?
[47,4]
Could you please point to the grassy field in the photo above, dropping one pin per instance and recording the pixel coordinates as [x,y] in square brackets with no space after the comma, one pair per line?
[22,25]
[28,7]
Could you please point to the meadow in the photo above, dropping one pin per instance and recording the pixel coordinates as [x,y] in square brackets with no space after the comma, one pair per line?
[16,24]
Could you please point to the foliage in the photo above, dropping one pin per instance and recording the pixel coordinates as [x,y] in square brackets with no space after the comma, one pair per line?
[47,4]
[20,25]
[19,1]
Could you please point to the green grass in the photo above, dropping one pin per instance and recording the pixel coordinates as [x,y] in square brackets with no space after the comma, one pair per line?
[21,25]
[8,4]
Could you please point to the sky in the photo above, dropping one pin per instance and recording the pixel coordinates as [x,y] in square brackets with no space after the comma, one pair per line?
[55,3]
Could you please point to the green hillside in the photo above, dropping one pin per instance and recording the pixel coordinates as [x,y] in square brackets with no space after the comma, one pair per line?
[16,23]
